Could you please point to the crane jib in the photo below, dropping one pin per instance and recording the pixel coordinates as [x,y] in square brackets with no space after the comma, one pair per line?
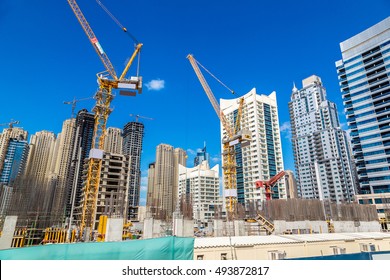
[96,43]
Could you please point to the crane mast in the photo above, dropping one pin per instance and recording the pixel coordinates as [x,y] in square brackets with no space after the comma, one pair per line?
[235,135]
[107,81]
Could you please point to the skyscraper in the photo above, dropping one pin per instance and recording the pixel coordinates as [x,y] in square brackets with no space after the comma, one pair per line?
[62,169]
[38,191]
[321,152]
[163,198]
[133,133]
[201,155]
[85,122]
[262,159]
[114,141]
[14,166]
[15,160]
[364,80]
[9,133]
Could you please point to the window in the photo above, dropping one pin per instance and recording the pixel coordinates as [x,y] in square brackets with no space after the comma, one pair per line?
[367,247]
[200,257]
[224,256]
[276,255]
[338,250]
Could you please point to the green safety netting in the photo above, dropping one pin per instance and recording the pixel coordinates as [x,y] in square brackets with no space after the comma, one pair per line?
[164,248]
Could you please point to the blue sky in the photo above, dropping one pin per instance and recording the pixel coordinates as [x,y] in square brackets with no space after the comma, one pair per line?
[47,59]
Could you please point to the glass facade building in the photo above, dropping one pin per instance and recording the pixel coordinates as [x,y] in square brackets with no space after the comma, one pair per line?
[133,135]
[15,160]
[364,78]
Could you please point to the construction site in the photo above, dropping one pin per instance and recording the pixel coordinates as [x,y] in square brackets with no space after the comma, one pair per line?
[97,211]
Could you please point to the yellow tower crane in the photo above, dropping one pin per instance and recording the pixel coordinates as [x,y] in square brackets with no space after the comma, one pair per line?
[5,142]
[234,135]
[107,81]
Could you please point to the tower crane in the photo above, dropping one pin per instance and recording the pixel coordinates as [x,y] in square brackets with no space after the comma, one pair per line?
[73,103]
[267,185]
[138,116]
[107,80]
[5,142]
[234,135]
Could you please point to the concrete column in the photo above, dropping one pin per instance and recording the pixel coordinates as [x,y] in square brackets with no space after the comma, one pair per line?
[8,232]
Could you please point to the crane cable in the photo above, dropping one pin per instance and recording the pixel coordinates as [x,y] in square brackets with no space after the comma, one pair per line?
[123,28]
[211,74]
[116,21]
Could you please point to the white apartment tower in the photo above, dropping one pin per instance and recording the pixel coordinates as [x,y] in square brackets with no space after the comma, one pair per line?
[200,184]
[364,78]
[263,158]
[321,150]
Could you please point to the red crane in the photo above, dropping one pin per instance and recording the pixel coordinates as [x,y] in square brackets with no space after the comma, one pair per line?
[268,184]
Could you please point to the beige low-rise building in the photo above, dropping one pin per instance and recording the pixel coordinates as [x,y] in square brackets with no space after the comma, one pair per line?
[288,246]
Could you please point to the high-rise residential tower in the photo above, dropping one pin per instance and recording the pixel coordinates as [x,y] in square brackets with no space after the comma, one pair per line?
[14,166]
[114,141]
[162,199]
[15,158]
[199,186]
[37,190]
[84,126]
[62,170]
[321,150]
[133,133]
[364,77]
[262,159]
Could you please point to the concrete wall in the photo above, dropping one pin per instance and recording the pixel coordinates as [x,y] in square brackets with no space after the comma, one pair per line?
[301,227]
[218,228]
[152,228]
[183,227]
[361,226]
[114,229]
[8,232]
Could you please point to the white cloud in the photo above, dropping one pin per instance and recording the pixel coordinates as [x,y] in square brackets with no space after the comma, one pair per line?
[155,84]
[191,152]
[215,159]
[285,129]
